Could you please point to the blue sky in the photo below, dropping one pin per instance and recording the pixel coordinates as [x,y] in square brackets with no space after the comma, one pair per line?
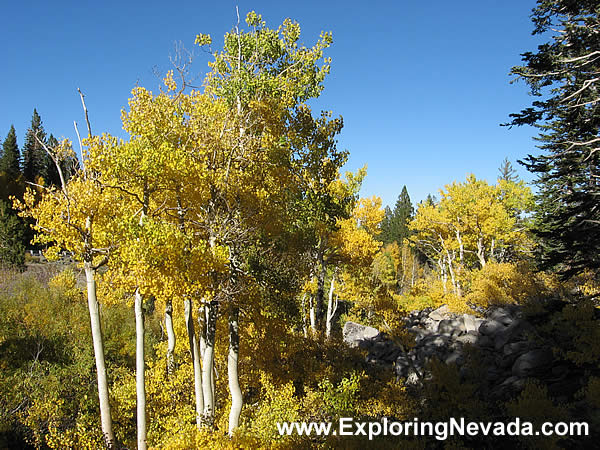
[422,86]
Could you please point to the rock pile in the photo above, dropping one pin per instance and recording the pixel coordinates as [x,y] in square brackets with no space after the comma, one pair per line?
[506,345]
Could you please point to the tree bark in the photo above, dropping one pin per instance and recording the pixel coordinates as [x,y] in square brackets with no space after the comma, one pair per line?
[170,338]
[312,315]
[195,353]
[232,370]
[105,417]
[481,252]
[208,363]
[140,372]
[331,308]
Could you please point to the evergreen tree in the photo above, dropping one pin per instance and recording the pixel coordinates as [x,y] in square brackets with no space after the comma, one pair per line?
[10,160]
[430,200]
[507,172]
[563,73]
[34,155]
[386,226]
[52,177]
[12,250]
[394,227]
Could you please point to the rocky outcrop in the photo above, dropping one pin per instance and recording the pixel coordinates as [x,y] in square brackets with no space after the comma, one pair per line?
[504,344]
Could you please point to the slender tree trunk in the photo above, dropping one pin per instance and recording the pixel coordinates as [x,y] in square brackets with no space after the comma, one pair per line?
[304,323]
[312,315]
[105,417]
[195,353]
[208,363]
[170,338]
[232,370]
[140,372]
[481,252]
[443,274]
[202,328]
[331,308]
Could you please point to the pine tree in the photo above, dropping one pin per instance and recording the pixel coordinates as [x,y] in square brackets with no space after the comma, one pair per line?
[12,249]
[394,227]
[34,155]
[563,73]
[386,226]
[507,172]
[10,161]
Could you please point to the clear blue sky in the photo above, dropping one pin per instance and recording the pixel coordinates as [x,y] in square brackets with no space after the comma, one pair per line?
[422,86]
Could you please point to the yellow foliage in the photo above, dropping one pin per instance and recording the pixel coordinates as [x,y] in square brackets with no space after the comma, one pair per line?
[278,404]
[66,282]
[505,283]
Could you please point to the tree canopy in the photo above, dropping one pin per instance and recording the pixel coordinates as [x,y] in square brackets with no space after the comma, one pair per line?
[562,74]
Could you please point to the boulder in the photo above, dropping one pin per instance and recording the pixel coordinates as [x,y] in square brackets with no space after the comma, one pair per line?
[449,326]
[532,362]
[516,347]
[467,339]
[356,334]
[471,323]
[491,327]
[443,312]
[511,332]
[501,315]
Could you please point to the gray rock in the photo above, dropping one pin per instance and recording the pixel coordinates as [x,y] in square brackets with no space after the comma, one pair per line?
[485,341]
[513,331]
[513,381]
[443,312]
[501,315]
[471,323]
[356,334]
[491,327]
[516,348]
[467,339]
[449,326]
[430,324]
[454,358]
[531,362]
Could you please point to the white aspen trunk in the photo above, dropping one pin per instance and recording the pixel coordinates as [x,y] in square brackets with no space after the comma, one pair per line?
[94,309]
[461,248]
[443,274]
[140,383]
[232,370]
[455,282]
[312,316]
[492,248]
[331,308]
[412,278]
[195,353]
[170,338]
[208,363]
[481,252]
[202,328]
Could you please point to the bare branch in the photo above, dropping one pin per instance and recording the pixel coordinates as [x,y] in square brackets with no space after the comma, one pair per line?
[87,120]
[80,149]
